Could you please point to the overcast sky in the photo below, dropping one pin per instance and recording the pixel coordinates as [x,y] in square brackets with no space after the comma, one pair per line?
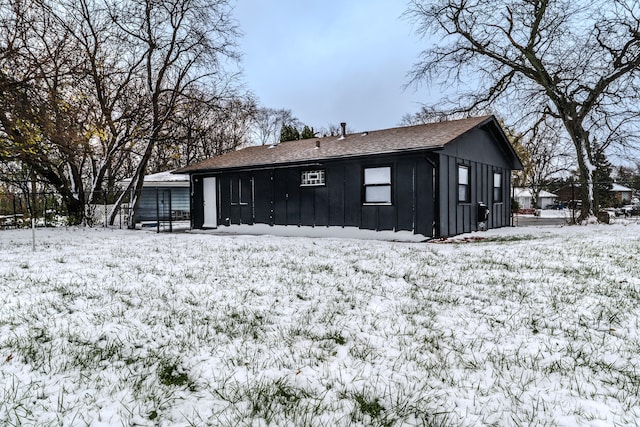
[330,61]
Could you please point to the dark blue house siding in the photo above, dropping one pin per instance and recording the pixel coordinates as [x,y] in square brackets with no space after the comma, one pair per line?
[352,184]
[336,196]
[424,189]
[262,185]
[483,159]
[277,197]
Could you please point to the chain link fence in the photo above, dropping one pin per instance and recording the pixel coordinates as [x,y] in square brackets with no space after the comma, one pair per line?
[165,209]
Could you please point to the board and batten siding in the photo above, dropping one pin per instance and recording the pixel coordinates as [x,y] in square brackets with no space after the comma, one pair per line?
[257,186]
[483,158]
[277,198]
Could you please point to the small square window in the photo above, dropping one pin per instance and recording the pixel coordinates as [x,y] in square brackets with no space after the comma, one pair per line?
[310,178]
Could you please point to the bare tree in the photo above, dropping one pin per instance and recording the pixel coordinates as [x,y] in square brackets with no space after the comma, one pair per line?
[430,114]
[203,128]
[183,44]
[42,118]
[72,109]
[230,126]
[547,154]
[268,124]
[574,61]
[95,85]
[112,92]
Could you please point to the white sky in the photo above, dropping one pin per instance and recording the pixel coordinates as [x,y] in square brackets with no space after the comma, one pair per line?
[330,61]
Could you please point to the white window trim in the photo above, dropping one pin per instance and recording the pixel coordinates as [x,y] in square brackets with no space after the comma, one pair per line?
[377,183]
[467,184]
[501,187]
[321,180]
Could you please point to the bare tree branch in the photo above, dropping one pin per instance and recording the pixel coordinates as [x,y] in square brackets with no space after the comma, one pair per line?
[577,63]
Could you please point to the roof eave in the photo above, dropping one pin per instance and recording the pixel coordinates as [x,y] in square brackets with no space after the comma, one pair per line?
[309,162]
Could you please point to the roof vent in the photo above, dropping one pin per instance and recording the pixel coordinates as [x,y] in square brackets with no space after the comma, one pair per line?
[365,133]
[343,125]
[318,144]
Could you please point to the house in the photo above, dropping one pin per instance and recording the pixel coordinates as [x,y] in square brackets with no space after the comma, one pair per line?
[164,197]
[525,198]
[435,180]
[621,193]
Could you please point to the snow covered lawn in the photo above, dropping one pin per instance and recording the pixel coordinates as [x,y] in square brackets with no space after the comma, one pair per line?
[112,327]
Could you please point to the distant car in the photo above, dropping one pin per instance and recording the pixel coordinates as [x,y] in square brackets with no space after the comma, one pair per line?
[628,210]
[555,205]
[574,204]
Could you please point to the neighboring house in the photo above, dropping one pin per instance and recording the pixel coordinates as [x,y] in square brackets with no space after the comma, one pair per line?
[164,196]
[621,193]
[524,197]
[430,179]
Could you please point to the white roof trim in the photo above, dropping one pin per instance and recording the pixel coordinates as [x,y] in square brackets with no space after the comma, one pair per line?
[618,187]
[162,179]
[526,192]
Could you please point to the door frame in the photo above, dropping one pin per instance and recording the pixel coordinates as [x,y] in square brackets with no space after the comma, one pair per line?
[209,202]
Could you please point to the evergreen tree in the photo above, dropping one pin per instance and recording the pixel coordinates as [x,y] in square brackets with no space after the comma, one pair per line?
[289,133]
[603,180]
[307,133]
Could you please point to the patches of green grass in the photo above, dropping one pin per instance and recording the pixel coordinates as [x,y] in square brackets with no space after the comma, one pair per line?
[344,334]
[172,375]
[336,337]
[368,406]
[269,399]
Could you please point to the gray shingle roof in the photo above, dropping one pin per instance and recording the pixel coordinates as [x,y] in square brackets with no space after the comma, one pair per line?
[420,137]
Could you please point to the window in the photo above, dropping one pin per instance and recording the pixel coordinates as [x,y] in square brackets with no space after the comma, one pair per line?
[240,191]
[310,178]
[464,189]
[497,187]
[245,191]
[234,190]
[377,185]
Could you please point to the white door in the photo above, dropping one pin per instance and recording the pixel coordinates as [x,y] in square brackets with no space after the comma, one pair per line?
[209,201]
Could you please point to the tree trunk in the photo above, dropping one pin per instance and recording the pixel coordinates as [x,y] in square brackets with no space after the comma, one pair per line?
[138,179]
[116,208]
[69,189]
[580,138]
[587,173]
[75,209]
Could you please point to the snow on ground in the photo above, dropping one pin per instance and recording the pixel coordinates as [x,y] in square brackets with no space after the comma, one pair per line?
[314,232]
[523,326]
[557,213]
